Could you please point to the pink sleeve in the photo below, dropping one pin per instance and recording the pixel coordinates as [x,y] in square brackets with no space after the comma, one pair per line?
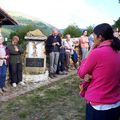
[88,64]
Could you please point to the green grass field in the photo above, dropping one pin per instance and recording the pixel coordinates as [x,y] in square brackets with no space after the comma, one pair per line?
[59,101]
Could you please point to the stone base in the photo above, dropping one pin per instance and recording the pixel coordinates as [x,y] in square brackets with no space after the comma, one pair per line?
[36,78]
[34,70]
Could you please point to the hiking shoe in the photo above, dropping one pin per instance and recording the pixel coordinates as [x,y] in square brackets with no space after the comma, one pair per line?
[65,73]
[61,73]
[4,89]
[22,83]
[1,92]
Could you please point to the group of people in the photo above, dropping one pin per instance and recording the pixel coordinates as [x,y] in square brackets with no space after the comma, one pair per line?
[59,53]
[99,68]
[62,51]
[10,58]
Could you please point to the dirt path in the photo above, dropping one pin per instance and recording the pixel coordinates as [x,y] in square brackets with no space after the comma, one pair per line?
[19,90]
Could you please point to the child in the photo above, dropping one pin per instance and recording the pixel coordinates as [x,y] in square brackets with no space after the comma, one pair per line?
[4,55]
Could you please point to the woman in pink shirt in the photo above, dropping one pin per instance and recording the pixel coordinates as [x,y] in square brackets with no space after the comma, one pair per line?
[4,55]
[102,66]
[84,44]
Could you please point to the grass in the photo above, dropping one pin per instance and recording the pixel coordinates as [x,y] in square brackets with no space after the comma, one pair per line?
[59,101]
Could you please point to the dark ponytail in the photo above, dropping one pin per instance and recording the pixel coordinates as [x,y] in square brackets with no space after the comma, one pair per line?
[115,44]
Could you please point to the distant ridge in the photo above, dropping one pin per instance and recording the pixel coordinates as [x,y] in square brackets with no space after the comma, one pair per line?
[26,20]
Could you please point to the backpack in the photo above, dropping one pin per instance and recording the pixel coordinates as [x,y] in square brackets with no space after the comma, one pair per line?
[74,56]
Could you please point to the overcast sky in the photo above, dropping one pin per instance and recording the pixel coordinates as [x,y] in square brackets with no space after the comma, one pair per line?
[61,13]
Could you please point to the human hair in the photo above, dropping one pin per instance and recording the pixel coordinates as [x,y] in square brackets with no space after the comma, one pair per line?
[106,31]
[68,35]
[84,31]
[15,38]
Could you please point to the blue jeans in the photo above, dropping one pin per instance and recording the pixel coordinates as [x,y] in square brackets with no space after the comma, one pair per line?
[93,114]
[84,52]
[3,70]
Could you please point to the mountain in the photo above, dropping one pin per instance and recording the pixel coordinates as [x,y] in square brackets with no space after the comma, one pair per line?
[24,20]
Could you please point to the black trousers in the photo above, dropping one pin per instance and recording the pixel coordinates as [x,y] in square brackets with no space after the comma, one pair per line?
[93,114]
[15,71]
[61,66]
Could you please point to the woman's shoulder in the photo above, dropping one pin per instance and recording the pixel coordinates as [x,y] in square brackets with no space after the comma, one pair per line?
[96,52]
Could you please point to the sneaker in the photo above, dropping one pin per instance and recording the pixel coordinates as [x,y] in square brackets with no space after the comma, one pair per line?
[61,73]
[65,73]
[22,83]
[14,85]
[4,89]
[1,92]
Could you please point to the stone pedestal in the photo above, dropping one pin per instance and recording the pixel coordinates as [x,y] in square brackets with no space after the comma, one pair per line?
[35,58]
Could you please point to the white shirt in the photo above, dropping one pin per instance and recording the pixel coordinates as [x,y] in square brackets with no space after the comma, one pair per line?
[106,106]
[2,54]
[69,45]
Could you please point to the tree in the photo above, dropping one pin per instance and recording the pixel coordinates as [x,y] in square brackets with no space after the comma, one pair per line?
[89,30]
[116,24]
[21,32]
[73,30]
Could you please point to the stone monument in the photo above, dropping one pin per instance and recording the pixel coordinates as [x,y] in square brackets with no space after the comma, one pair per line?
[35,58]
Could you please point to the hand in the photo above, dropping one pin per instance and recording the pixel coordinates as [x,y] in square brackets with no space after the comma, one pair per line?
[57,43]
[16,48]
[87,78]
[6,57]
[54,44]
[62,47]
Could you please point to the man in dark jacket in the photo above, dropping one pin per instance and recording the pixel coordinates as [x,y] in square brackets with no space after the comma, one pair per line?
[15,62]
[53,45]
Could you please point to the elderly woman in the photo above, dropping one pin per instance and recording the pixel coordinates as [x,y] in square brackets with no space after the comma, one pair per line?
[101,69]
[15,65]
[4,55]
[69,51]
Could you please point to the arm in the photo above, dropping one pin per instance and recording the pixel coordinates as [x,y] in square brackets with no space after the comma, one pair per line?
[60,42]
[49,42]
[6,55]
[21,50]
[87,66]
[12,50]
